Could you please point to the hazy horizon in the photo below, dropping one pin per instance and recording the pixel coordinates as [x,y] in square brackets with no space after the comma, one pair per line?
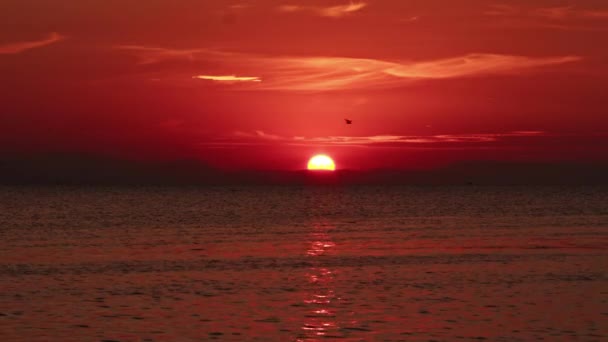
[80,169]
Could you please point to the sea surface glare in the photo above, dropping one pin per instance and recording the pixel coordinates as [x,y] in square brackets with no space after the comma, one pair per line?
[304,263]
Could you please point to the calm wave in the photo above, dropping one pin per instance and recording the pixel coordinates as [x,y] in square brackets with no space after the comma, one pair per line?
[303,263]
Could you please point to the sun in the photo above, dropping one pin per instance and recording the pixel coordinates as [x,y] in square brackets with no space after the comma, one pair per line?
[321,162]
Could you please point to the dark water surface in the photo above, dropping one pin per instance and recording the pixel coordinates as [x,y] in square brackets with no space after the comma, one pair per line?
[304,264]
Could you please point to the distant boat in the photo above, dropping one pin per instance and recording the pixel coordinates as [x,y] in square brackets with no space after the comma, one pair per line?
[348,122]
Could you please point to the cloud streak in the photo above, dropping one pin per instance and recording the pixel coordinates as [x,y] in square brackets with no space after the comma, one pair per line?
[595,14]
[228,78]
[555,17]
[330,11]
[341,73]
[152,55]
[19,47]
[318,73]
[259,137]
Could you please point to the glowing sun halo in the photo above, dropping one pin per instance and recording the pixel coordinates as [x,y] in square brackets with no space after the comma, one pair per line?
[321,162]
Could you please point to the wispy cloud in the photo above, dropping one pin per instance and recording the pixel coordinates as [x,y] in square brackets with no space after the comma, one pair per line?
[306,73]
[228,78]
[475,64]
[258,134]
[555,13]
[569,12]
[330,11]
[19,47]
[153,54]
[596,14]
[501,10]
[240,6]
[338,73]
[383,140]
[555,17]
[150,55]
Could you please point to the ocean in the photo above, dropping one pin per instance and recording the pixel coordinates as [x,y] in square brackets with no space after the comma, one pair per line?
[304,263]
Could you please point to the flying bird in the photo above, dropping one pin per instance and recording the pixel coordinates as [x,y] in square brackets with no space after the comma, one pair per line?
[348,122]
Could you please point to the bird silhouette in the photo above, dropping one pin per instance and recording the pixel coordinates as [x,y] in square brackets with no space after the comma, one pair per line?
[348,122]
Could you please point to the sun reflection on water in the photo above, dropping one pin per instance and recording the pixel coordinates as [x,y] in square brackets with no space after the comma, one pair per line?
[321,299]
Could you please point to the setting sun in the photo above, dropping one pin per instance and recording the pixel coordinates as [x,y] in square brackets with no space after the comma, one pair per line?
[321,162]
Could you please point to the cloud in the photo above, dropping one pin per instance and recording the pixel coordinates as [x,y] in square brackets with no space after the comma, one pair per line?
[501,10]
[331,11]
[151,55]
[291,8]
[556,17]
[340,73]
[475,64]
[238,7]
[595,14]
[19,47]
[258,134]
[228,78]
[555,13]
[339,11]
[259,137]
[318,73]
[569,12]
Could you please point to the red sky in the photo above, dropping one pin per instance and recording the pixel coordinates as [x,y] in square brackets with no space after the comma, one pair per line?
[266,84]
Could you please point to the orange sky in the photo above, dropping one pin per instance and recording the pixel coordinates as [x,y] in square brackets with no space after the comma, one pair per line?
[266,84]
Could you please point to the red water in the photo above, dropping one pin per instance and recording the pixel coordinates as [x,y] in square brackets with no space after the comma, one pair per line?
[320,275]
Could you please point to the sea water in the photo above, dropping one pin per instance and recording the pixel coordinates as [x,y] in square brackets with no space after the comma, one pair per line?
[303,263]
